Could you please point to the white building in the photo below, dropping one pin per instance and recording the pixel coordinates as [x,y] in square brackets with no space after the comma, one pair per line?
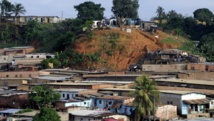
[68,94]
[187,102]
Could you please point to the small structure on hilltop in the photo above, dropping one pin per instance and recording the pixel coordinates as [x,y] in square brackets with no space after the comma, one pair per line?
[167,56]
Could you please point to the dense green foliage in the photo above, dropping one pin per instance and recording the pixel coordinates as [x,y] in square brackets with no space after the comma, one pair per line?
[191,28]
[89,11]
[47,114]
[160,14]
[145,93]
[125,8]
[204,15]
[206,46]
[7,9]
[61,60]
[43,96]
[25,110]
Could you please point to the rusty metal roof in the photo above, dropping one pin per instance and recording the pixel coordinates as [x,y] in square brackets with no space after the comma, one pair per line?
[116,104]
[198,101]
[114,98]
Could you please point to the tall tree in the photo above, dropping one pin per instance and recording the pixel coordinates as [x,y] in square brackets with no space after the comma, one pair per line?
[6,8]
[206,46]
[46,114]
[31,30]
[18,9]
[125,8]
[204,15]
[89,11]
[160,14]
[43,96]
[145,93]
[172,14]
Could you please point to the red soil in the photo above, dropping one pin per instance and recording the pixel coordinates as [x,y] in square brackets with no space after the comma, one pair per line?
[135,45]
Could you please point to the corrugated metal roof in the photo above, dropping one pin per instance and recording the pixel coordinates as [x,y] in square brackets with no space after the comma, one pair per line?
[91,113]
[10,111]
[197,101]
[114,98]
[116,104]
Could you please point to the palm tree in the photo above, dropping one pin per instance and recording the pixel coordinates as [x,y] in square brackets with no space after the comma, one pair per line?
[160,14]
[145,93]
[172,14]
[18,9]
[6,8]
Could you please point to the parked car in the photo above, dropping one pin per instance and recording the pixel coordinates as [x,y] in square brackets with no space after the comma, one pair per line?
[135,67]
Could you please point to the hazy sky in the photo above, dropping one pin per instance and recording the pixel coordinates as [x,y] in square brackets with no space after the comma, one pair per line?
[146,11]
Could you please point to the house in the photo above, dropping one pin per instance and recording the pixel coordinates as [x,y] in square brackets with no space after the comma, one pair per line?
[13,99]
[196,75]
[64,105]
[68,94]
[26,116]
[80,85]
[17,50]
[116,104]
[118,91]
[40,55]
[163,67]
[147,25]
[109,22]
[51,79]
[188,83]
[13,81]
[22,20]
[189,104]
[19,74]
[8,112]
[95,115]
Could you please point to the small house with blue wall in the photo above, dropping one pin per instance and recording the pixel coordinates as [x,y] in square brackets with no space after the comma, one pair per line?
[68,94]
[188,103]
[116,104]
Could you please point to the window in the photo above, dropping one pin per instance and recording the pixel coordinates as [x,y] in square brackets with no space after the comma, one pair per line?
[63,95]
[20,75]
[30,75]
[68,96]
[109,102]
[84,103]
[192,68]
[169,102]
[7,76]
[31,56]
[16,75]
[37,56]
[211,102]
[100,101]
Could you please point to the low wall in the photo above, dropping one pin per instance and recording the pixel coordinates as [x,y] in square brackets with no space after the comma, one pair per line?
[164,68]
[197,75]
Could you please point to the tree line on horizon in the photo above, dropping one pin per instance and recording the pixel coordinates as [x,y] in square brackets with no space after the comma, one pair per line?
[58,37]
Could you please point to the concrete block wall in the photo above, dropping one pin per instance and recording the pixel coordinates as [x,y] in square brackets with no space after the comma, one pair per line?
[163,68]
[19,74]
[196,66]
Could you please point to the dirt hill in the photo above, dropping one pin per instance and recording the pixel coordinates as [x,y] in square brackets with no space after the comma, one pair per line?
[119,49]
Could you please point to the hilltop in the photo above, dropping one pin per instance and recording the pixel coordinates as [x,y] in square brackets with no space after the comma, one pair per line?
[118,49]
